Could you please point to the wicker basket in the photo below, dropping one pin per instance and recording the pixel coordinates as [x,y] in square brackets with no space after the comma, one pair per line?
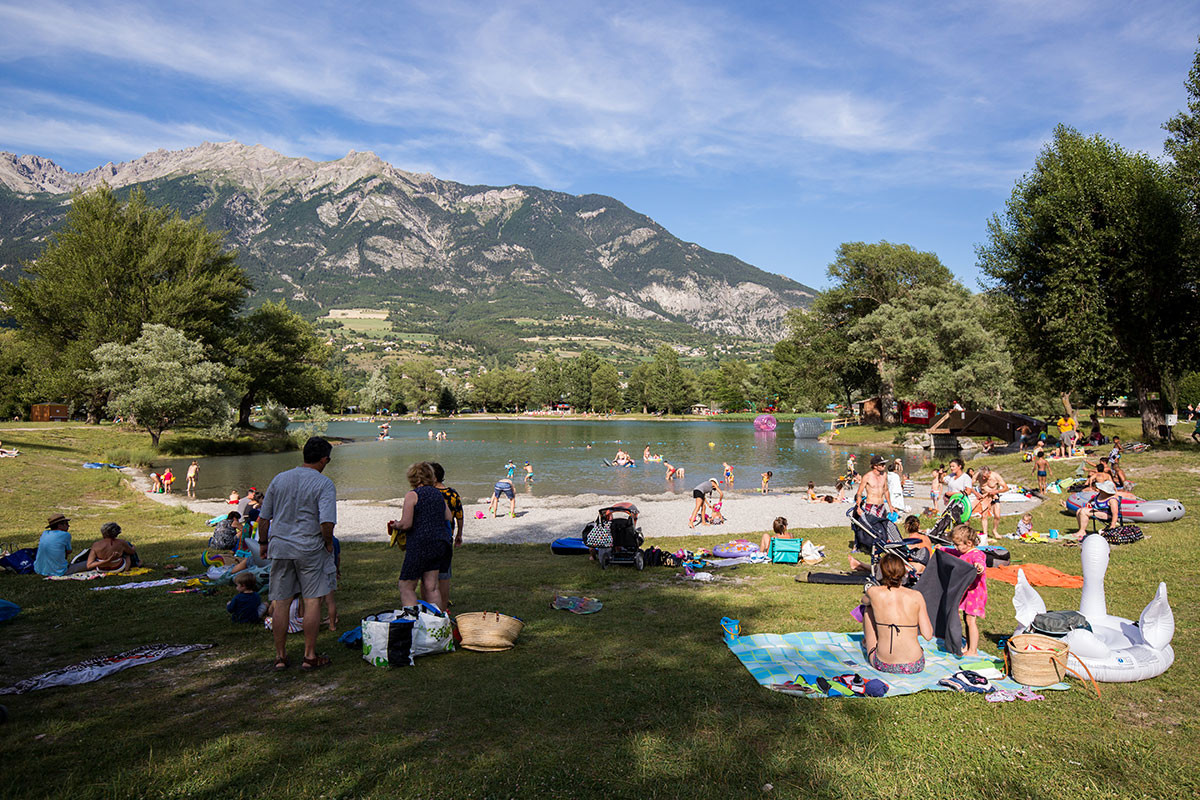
[488,631]
[1037,660]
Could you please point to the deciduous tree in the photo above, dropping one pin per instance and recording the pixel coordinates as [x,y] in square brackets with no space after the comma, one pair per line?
[1090,252]
[160,379]
[113,267]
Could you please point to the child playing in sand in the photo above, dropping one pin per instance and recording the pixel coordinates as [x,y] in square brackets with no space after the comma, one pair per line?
[1041,469]
[966,547]
[841,492]
[812,492]
[766,479]
[779,526]
[246,605]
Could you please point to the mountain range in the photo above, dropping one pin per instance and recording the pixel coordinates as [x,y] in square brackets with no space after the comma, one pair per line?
[440,256]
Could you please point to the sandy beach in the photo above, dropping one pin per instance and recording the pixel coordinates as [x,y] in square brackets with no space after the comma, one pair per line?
[544,519]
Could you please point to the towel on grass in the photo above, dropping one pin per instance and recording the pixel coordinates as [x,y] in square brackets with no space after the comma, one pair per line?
[96,668]
[92,574]
[776,659]
[141,584]
[1037,575]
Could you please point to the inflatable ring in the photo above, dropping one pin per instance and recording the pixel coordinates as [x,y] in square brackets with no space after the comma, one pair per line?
[739,548]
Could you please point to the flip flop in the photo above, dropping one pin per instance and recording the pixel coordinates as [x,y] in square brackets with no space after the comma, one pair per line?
[309,664]
[1026,694]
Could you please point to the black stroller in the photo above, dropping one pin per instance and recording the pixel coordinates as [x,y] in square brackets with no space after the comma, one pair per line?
[879,535]
[615,537]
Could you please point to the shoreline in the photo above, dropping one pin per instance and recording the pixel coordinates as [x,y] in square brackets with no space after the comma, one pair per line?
[541,520]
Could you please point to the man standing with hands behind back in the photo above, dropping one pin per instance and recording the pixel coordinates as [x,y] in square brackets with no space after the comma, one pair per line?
[296,532]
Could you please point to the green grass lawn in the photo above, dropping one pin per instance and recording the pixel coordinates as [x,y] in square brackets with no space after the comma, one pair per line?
[641,700]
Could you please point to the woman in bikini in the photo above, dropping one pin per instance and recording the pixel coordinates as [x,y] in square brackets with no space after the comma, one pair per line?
[892,618]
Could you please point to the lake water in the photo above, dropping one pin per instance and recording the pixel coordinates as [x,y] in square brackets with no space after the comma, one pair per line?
[476,450]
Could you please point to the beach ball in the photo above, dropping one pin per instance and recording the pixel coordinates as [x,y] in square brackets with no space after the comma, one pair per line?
[712,444]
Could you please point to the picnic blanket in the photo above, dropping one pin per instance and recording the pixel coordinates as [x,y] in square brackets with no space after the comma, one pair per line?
[783,662]
[1037,575]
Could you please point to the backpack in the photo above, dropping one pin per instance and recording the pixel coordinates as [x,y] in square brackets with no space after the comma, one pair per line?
[224,537]
[1059,623]
[20,561]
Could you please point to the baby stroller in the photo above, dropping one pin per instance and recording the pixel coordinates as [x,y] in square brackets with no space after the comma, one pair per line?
[958,510]
[879,535]
[615,536]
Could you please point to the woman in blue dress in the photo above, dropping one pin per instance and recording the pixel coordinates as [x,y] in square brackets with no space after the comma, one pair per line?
[428,547]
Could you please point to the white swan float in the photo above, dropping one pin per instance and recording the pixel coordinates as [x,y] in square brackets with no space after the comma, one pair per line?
[1115,650]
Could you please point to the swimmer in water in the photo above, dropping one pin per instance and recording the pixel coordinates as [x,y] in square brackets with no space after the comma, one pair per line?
[673,472]
[766,480]
[728,474]
[528,472]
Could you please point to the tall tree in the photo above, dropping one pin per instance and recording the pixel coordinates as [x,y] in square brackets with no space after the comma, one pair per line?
[935,346]
[669,387]
[867,276]
[377,394]
[1090,252]
[418,382]
[577,379]
[547,386]
[160,380]
[278,357]
[606,387]
[113,267]
[1183,144]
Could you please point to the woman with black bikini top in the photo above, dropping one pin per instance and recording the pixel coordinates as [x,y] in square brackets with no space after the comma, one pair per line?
[893,616]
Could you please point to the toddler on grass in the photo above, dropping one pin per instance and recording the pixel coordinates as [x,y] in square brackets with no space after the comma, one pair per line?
[246,605]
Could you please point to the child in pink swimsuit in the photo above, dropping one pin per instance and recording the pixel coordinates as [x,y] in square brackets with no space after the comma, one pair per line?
[966,547]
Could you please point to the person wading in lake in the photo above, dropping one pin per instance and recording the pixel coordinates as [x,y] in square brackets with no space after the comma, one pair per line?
[295,532]
[872,496]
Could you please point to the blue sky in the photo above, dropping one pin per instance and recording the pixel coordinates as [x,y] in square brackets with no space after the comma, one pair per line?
[772,131]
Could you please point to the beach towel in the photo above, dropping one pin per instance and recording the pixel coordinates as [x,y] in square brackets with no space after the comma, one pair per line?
[96,668]
[791,663]
[142,584]
[577,605]
[1038,575]
[92,574]
[943,583]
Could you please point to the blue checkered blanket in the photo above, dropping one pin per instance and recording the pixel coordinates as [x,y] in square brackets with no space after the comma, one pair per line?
[789,662]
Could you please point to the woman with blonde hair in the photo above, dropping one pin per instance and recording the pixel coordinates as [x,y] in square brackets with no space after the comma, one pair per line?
[428,552]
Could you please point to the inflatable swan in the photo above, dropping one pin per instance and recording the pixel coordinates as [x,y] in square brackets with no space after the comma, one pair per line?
[1115,650]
